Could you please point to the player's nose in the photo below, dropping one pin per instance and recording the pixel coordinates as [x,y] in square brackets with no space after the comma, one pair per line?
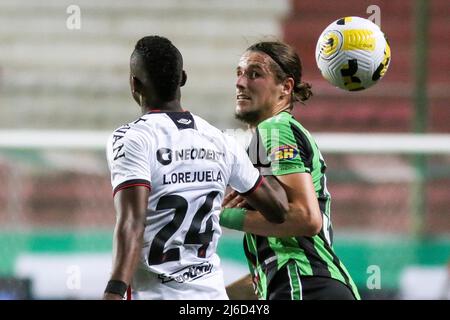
[241,82]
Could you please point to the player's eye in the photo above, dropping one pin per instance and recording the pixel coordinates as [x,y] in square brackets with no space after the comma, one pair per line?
[254,74]
[238,73]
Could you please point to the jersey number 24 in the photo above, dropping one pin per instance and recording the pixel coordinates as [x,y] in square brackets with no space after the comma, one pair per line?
[193,236]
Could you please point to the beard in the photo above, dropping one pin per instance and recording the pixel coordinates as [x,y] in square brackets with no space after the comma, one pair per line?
[249,117]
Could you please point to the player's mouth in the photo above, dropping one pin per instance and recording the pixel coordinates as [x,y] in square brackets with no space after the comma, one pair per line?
[242,97]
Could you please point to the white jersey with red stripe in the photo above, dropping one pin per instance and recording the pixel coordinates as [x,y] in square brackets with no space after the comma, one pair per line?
[187,164]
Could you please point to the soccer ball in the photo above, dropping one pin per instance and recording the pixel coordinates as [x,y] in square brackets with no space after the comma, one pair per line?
[352,53]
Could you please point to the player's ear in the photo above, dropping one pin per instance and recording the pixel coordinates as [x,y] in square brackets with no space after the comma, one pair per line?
[136,85]
[183,78]
[288,86]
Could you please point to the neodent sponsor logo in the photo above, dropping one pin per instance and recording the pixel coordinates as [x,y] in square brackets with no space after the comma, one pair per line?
[165,155]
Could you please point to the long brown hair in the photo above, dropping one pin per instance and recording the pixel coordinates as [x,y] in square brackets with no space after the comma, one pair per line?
[287,64]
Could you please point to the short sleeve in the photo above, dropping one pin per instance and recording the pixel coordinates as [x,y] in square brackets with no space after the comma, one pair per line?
[244,176]
[128,160]
[286,153]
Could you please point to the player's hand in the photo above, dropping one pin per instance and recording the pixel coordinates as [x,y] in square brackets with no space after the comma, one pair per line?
[111,296]
[234,200]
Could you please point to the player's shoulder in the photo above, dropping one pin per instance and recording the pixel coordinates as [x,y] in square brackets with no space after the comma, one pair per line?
[134,127]
[210,131]
[278,126]
[129,137]
[137,131]
[204,125]
[284,122]
[221,138]
[279,121]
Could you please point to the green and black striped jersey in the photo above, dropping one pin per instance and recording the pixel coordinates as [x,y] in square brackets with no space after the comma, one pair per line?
[280,146]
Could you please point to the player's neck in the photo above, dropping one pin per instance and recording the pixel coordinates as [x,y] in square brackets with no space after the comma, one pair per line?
[170,106]
[272,112]
[283,105]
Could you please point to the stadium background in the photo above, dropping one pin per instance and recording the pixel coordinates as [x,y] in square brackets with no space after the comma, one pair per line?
[391,211]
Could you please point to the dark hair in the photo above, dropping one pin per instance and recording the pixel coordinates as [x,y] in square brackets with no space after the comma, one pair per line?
[163,64]
[287,64]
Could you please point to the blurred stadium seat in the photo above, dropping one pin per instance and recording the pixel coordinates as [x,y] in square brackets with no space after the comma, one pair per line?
[60,78]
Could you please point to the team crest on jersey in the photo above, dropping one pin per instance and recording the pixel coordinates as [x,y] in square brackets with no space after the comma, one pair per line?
[283,153]
[184,121]
[187,274]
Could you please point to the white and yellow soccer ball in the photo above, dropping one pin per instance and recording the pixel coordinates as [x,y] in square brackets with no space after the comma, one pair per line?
[352,53]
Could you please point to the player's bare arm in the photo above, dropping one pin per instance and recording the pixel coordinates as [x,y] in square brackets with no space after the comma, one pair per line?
[130,205]
[303,217]
[242,289]
[270,200]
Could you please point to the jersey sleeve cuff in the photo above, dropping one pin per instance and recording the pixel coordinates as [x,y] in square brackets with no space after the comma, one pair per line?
[132,183]
[257,184]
